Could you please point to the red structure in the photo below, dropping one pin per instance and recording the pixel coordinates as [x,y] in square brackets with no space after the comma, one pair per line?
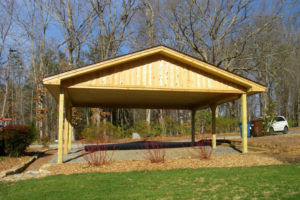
[3,119]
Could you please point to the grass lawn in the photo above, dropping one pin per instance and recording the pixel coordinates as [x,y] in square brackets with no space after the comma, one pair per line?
[270,182]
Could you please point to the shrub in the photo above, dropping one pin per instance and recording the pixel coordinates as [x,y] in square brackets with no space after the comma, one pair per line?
[203,121]
[155,152]
[100,133]
[185,128]
[226,124]
[171,126]
[203,148]
[292,123]
[142,128]
[156,130]
[45,140]
[269,117]
[97,153]
[16,139]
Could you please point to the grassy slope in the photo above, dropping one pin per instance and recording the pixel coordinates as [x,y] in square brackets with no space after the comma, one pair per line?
[271,182]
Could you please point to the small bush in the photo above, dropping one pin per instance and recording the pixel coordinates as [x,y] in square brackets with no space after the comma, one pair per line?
[185,128]
[226,124]
[172,127]
[203,148]
[16,139]
[155,152]
[45,140]
[268,117]
[101,133]
[95,153]
[142,128]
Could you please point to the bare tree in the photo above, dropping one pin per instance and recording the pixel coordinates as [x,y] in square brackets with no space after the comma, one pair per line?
[111,25]
[74,18]
[6,22]
[111,31]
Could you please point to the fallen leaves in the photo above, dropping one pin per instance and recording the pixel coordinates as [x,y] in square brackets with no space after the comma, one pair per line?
[233,160]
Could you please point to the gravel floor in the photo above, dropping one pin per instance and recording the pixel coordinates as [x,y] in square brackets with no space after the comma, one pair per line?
[75,155]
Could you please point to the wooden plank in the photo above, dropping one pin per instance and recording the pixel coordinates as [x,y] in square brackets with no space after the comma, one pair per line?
[141,76]
[149,75]
[154,74]
[144,75]
[180,74]
[104,79]
[160,70]
[122,75]
[117,76]
[172,76]
[133,76]
[60,124]
[166,75]
[138,76]
[162,89]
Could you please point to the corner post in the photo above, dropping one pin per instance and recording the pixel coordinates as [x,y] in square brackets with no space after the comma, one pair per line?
[66,128]
[213,125]
[60,124]
[244,122]
[70,128]
[193,126]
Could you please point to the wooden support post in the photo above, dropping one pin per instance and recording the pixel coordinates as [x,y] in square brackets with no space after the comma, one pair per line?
[213,125]
[244,122]
[70,128]
[193,126]
[60,124]
[66,129]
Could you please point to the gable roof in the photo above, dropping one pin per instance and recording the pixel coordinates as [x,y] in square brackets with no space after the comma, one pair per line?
[163,50]
[53,82]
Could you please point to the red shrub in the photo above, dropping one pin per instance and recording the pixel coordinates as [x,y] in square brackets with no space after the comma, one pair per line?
[16,139]
[154,152]
[95,153]
[203,148]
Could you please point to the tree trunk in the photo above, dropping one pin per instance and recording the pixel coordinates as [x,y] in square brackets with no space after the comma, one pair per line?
[148,119]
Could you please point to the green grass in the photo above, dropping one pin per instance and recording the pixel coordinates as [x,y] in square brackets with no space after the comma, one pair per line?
[271,182]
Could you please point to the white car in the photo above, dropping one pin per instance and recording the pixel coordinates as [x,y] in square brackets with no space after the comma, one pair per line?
[280,124]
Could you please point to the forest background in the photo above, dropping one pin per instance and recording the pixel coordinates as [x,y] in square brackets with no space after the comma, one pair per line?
[257,39]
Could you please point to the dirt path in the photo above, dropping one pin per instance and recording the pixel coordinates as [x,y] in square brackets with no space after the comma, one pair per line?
[43,159]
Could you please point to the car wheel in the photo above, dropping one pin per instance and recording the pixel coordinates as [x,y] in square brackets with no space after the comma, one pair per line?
[285,130]
[271,131]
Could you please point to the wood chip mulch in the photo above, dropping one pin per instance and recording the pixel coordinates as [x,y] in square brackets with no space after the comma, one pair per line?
[234,160]
[9,162]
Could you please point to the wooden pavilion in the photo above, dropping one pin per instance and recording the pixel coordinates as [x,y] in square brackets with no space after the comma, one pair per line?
[157,77]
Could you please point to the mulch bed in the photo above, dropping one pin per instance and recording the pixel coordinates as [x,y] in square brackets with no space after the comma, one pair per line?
[9,162]
[236,160]
[281,149]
